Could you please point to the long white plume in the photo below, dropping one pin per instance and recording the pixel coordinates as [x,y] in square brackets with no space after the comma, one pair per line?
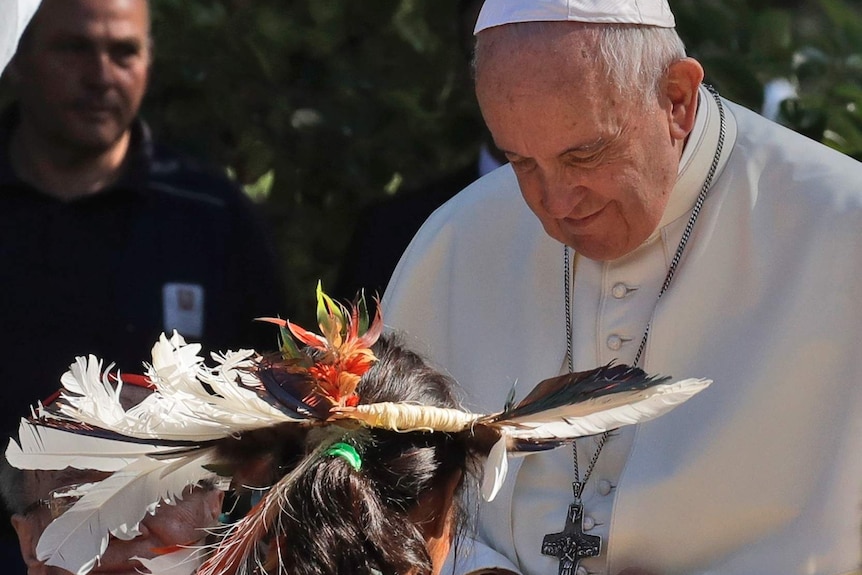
[590,417]
[604,413]
[115,506]
[43,447]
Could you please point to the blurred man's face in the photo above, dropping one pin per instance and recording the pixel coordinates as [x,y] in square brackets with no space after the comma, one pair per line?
[180,524]
[81,71]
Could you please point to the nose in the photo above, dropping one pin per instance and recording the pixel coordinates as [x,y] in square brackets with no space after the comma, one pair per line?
[560,194]
[100,69]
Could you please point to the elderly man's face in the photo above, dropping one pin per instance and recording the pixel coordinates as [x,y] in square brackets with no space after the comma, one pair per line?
[81,71]
[596,169]
[178,524]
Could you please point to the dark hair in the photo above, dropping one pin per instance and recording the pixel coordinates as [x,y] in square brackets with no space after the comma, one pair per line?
[338,520]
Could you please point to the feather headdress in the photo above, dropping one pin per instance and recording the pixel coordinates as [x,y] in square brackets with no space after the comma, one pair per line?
[198,419]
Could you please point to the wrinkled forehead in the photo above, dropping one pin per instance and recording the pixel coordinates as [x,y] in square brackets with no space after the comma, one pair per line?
[558,54]
[540,42]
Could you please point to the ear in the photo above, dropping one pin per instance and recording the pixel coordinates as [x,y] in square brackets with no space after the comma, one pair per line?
[680,88]
[29,530]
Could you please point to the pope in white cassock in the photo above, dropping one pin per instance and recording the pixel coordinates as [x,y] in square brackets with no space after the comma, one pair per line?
[645,219]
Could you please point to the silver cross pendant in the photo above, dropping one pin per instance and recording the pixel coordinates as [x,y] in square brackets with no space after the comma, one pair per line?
[572,544]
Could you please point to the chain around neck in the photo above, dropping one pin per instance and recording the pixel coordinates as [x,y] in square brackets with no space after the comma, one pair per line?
[686,234]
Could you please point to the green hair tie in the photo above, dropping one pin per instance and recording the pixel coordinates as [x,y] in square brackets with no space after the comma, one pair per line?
[346,452]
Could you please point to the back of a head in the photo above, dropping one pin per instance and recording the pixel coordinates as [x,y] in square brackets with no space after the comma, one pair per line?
[339,519]
[347,490]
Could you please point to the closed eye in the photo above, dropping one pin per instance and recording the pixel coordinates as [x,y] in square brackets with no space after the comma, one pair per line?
[520,164]
[586,155]
[583,159]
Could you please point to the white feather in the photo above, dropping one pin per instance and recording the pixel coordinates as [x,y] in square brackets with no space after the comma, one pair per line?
[175,363]
[233,367]
[41,447]
[182,562]
[496,468]
[87,387]
[586,418]
[618,410]
[115,506]
[181,408]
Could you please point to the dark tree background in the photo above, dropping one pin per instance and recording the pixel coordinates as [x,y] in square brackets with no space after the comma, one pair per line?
[318,107]
[814,44]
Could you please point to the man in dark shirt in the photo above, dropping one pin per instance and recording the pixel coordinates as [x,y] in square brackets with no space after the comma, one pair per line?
[107,238]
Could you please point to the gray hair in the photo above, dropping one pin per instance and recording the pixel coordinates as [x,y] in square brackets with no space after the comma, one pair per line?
[633,58]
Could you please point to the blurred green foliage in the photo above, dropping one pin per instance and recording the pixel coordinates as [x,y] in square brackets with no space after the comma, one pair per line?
[815,45]
[317,107]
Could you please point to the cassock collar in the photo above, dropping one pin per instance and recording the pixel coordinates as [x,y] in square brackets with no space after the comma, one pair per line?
[697,156]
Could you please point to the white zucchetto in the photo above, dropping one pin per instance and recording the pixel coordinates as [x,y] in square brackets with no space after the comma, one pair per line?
[643,12]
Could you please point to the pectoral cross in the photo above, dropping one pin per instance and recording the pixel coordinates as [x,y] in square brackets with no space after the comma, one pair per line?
[572,544]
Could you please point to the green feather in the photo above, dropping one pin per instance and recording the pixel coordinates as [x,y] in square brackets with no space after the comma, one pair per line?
[287,345]
[362,309]
[326,310]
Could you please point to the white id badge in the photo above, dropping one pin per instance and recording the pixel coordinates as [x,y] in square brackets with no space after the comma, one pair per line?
[183,306]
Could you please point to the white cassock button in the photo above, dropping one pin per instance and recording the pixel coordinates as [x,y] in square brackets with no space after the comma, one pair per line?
[581,570]
[619,290]
[604,487]
[615,342]
[589,523]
